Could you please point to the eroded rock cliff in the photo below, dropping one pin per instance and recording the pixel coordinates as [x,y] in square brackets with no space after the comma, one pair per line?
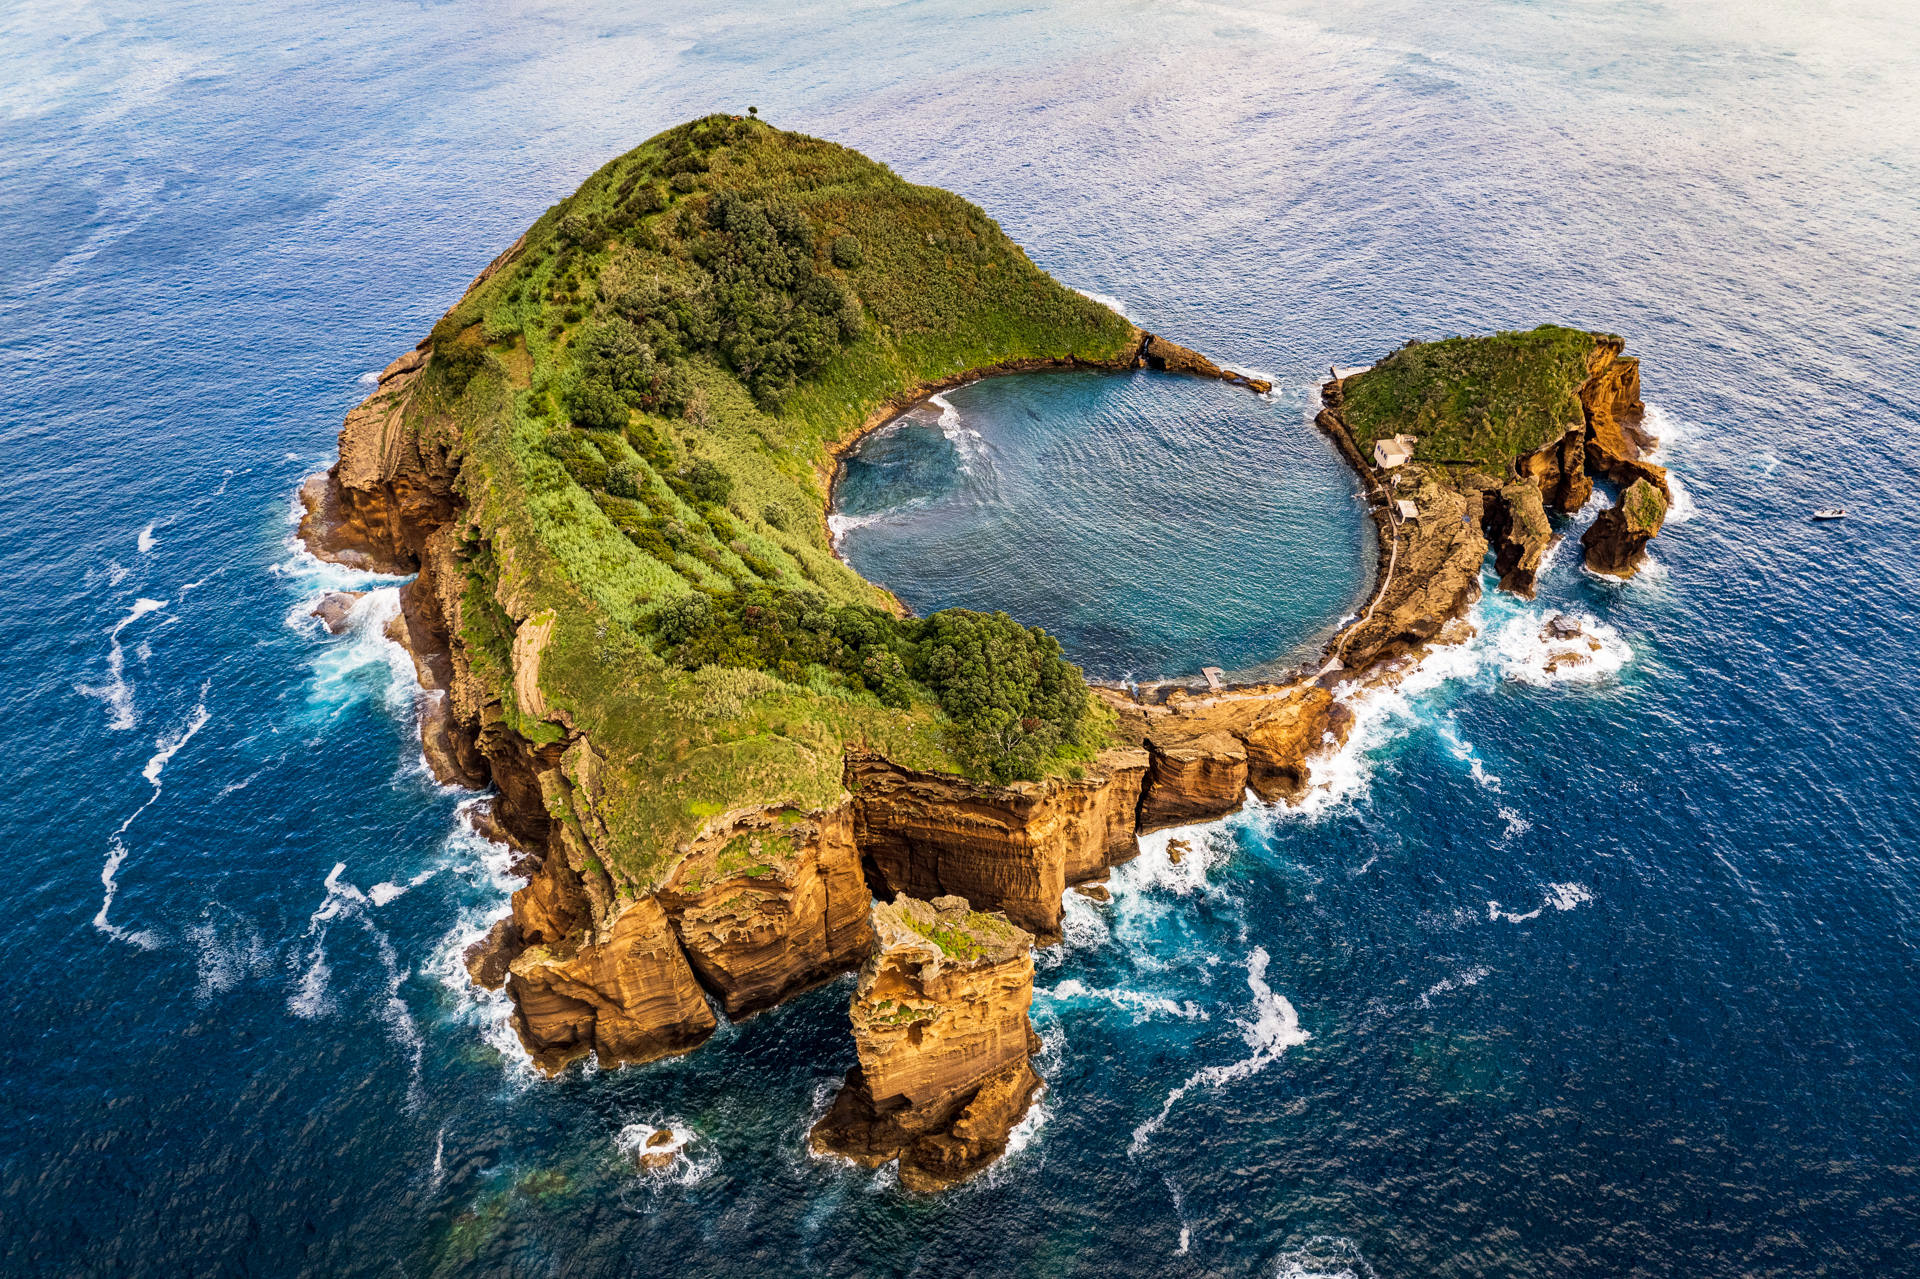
[941,1028]
[1011,848]
[771,903]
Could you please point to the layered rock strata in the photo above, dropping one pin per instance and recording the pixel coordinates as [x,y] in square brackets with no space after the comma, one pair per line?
[941,1028]
[769,904]
[1016,848]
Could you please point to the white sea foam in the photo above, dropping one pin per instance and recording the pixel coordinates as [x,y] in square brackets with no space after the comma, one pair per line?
[1141,1005]
[965,440]
[116,692]
[1324,1257]
[1021,1138]
[1666,427]
[227,957]
[486,869]
[116,573]
[690,1159]
[242,784]
[1567,896]
[1180,1211]
[312,998]
[1106,300]
[838,526]
[1516,825]
[116,854]
[1495,913]
[167,745]
[369,378]
[1459,981]
[146,539]
[1558,896]
[381,894]
[1462,750]
[1274,1028]
[337,670]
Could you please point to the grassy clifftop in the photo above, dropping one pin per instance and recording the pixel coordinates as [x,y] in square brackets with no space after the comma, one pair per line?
[645,394]
[1474,402]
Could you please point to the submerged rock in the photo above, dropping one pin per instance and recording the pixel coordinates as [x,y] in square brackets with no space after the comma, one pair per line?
[334,608]
[940,1025]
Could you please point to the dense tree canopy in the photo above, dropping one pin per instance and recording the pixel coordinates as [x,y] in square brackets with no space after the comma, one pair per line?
[1012,698]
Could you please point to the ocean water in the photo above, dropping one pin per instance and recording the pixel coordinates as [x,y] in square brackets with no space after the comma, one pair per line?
[1606,969]
[1156,525]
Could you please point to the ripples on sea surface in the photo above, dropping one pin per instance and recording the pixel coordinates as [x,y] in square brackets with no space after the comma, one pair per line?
[1609,971]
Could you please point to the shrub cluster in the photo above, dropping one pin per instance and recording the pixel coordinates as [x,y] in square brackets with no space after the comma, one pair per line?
[1013,699]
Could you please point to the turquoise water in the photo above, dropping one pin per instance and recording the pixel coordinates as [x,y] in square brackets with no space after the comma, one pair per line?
[1155,524]
[1608,970]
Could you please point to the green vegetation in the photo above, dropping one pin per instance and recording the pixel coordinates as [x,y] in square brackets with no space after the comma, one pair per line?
[1015,704]
[645,396]
[1645,506]
[963,939]
[1474,402]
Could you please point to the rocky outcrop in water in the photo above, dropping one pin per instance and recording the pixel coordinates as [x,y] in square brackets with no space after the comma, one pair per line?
[1158,353]
[940,1025]
[1516,522]
[1617,541]
[1430,562]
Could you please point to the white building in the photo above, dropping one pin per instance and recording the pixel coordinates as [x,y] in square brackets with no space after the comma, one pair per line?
[1406,510]
[1388,454]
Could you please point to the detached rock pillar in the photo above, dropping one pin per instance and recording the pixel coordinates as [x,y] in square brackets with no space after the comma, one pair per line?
[940,1023]
[1617,542]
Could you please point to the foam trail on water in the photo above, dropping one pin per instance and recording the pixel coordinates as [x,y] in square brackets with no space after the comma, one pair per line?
[1459,981]
[167,745]
[1140,1005]
[1275,1027]
[116,692]
[311,998]
[146,539]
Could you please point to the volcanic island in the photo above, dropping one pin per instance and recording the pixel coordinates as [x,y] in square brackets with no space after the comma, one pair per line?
[730,768]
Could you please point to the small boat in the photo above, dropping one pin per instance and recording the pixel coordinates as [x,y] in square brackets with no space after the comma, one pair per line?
[1831,513]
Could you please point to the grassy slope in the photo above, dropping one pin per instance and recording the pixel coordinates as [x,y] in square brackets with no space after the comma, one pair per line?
[943,289]
[1477,402]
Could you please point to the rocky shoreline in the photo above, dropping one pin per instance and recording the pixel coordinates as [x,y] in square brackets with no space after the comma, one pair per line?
[933,886]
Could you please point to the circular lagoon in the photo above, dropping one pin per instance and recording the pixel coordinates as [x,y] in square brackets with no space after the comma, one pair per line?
[1155,524]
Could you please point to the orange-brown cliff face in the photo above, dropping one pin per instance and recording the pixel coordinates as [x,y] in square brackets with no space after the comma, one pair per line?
[771,903]
[624,994]
[940,1025]
[1428,574]
[1010,848]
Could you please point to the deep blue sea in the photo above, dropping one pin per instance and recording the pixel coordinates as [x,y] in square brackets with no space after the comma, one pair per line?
[1608,970]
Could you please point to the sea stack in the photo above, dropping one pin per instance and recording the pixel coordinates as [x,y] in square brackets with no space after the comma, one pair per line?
[940,1024]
